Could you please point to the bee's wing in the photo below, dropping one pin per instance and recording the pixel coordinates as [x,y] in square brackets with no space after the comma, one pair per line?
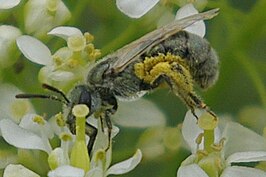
[132,51]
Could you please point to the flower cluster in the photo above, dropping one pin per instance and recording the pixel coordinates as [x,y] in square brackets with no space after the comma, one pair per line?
[219,151]
[71,157]
[40,16]
[68,64]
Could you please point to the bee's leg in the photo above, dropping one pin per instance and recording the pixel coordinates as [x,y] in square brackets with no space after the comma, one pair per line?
[200,104]
[180,81]
[193,112]
[110,103]
[91,131]
[101,119]
[109,129]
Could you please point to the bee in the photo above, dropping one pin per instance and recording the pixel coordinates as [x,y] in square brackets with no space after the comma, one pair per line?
[168,55]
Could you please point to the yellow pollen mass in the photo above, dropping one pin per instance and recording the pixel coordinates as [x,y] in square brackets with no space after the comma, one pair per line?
[172,66]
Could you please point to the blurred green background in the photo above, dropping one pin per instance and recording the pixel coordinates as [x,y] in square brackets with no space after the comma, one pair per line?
[238,34]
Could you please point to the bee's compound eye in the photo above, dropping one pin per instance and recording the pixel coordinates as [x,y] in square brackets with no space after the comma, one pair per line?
[81,95]
[85,98]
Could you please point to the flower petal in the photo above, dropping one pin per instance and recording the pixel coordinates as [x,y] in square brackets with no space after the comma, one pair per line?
[125,166]
[10,107]
[249,141]
[8,4]
[41,16]
[196,28]
[191,130]
[28,123]
[34,50]
[65,32]
[192,170]
[95,172]
[18,170]
[61,76]
[251,156]
[140,113]
[135,8]
[66,171]
[19,137]
[242,172]
[62,14]
[8,50]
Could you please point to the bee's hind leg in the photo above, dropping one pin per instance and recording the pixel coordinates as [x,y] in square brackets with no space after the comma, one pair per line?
[112,106]
[109,129]
[200,104]
[91,131]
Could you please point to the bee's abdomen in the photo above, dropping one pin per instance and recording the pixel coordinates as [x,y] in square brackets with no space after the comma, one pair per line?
[196,51]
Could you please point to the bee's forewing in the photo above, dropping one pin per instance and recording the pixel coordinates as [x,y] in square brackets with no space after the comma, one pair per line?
[132,51]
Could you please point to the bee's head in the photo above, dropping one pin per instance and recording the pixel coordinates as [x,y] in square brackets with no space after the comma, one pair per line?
[82,94]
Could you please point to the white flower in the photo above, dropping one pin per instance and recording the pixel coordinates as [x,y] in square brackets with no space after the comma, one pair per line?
[65,32]
[68,64]
[66,171]
[33,132]
[10,107]
[125,166]
[43,15]
[185,11]
[75,39]
[8,4]
[100,166]
[34,50]
[101,159]
[138,8]
[18,170]
[135,8]
[241,145]
[37,52]
[23,138]
[196,28]
[8,50]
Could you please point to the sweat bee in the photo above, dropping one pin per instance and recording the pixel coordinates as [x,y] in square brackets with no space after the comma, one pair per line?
[168,55]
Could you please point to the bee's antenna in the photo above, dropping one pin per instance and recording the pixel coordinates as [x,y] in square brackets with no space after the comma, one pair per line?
[53,89]
[32,96]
